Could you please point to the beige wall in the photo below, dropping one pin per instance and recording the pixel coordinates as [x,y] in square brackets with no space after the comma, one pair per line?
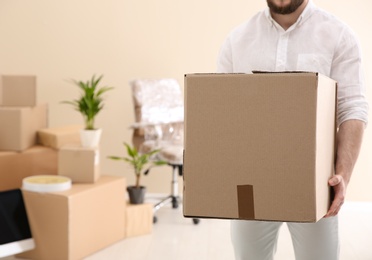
[124,40]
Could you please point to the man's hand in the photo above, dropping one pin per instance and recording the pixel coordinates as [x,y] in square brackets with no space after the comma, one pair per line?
[339,188]
[349,140]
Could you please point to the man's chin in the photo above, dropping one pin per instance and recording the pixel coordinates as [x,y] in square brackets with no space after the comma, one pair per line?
[284,8]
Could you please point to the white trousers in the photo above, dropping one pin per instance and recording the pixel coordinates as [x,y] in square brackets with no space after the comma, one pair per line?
[257,240]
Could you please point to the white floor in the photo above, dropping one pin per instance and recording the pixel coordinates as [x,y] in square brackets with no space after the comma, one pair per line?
[175,237]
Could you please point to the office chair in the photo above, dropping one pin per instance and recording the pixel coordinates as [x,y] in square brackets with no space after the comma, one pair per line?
[158,106]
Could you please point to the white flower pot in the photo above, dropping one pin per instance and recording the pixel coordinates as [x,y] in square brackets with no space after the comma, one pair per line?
[90,138]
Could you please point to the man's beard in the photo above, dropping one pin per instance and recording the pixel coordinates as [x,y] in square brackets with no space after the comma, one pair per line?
[288,9]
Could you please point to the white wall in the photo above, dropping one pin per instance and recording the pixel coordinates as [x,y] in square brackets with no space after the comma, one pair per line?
[124,40]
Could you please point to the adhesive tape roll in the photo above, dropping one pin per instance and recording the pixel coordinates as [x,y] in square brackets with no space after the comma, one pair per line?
[46,183]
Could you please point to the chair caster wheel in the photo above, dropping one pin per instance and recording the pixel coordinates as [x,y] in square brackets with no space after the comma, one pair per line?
[154,219]
[175,204]
[195,221]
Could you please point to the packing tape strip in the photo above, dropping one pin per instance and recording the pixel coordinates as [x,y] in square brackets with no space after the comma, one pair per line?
[46,183]
[245,202]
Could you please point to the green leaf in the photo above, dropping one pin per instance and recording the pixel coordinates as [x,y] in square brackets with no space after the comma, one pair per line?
[115,158]
[158,163]
[139,161]
[132,151]
[90,102]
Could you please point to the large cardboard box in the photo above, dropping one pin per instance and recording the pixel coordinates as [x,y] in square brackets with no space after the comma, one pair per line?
[57,137]
[19,125]
[73,224]
[15,166]
[18,90]
[259,146]
[81,164]
[139,219]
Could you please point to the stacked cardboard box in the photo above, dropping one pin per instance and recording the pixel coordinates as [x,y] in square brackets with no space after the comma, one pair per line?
[15,166]
[69,224]
[79,163]
[138,219]
[75,223]
[57,137]
[21,117]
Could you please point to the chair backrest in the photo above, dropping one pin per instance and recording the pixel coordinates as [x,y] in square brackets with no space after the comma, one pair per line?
[158,103]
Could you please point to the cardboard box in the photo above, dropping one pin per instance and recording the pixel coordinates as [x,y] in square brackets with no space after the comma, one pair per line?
[57,137]
[81,164]
[18,90]
[75,223]
[259,146]
[19,125]
[139,219]
[15,166]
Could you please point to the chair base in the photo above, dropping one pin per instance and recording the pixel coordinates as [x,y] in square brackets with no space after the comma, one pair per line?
[170,199]
[173,198]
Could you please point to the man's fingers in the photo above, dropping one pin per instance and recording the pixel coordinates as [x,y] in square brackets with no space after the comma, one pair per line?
[335,207]
[335,180]
[337,183]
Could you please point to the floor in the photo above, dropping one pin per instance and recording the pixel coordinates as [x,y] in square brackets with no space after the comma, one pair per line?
[177,238]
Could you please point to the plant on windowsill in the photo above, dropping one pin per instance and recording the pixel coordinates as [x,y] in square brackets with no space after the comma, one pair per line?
[89,104]
[141,163]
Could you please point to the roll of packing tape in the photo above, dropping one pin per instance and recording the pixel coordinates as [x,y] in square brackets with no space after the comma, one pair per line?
[46,183]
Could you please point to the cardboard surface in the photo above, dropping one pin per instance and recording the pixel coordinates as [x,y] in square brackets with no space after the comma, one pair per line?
[19,125]
[75,223]
[139,219]
[81,164]
[59,136]
[14,166]
[19,90]
[259,146]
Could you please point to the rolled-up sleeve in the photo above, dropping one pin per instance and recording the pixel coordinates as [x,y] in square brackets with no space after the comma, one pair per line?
[347,71]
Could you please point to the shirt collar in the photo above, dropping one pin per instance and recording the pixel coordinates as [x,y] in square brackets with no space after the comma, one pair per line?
[306,13]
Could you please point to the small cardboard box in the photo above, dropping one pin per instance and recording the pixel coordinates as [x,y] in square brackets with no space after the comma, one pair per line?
[57,137]
[73,224]
[139,219]
[259,146]
[15,166]
[19,125]
[81,164]
[18,90]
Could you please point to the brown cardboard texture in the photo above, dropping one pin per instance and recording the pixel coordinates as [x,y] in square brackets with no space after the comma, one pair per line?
[19,125]
[19,90]
[81,164]
[259,146]
[15,166]
[75,223]
[1,92]
[139,219]
[59,136]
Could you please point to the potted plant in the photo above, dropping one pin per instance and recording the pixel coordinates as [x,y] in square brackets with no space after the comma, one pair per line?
[141,163]
[89,104]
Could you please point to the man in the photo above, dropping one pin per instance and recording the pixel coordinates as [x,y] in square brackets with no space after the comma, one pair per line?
[295,35]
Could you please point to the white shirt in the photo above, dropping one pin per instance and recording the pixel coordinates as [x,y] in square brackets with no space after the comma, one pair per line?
[317,42]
